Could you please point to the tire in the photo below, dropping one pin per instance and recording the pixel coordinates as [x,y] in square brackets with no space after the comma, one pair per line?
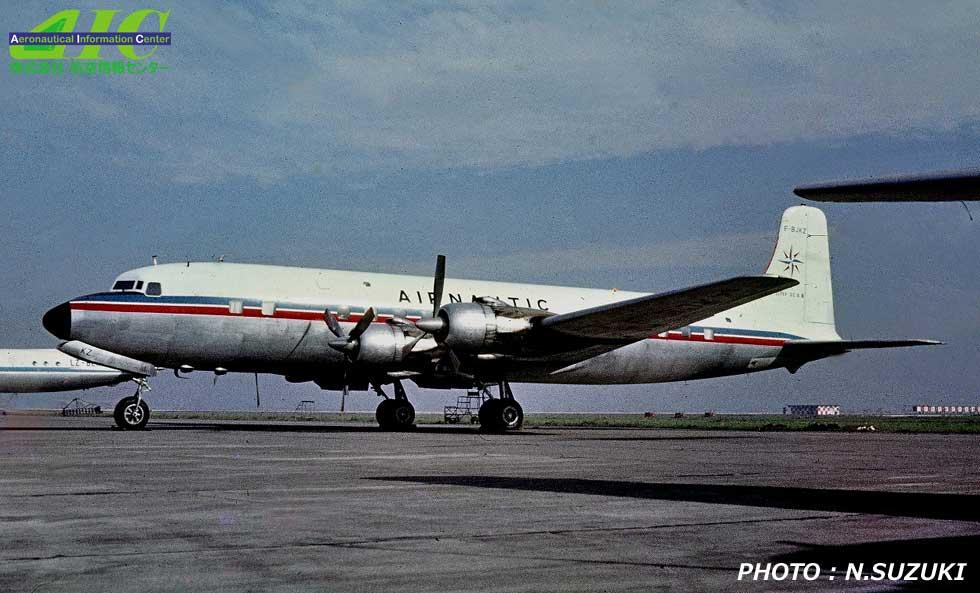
[383,413]
[395,414]
[501,415]
[490,416]
[129,416]
[511,414]
[403,414]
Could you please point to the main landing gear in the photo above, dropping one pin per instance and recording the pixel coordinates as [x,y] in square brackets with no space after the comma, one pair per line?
[397,413]
[502,413]
[131,412]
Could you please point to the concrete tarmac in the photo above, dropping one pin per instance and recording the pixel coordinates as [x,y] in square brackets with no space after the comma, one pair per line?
[269,507]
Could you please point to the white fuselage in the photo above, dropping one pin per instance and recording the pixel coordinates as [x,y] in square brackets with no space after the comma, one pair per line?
[44,370]
[256,318]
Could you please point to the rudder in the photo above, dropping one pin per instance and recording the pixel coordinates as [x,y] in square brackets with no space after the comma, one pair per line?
[803,253]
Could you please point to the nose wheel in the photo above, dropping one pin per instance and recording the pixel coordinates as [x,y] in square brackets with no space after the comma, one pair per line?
[132,413]
[397,413]
[503,413]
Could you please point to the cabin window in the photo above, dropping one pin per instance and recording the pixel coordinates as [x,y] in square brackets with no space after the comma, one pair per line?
[124,285]
[235,307]
[268,308]
[154,289]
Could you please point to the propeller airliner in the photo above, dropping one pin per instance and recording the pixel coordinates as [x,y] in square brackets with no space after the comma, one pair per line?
[357,330]
[43,370]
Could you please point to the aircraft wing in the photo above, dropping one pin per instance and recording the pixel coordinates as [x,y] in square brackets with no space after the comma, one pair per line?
[640,318]
[937,187]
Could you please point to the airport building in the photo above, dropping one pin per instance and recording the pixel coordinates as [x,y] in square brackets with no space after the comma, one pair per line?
[932,409]
[810,410]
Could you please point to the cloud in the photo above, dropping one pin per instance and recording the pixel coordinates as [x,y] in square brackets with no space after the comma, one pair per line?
[672,259]
[279,89]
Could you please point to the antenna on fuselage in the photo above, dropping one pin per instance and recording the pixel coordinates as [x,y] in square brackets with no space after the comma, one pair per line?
[154,260]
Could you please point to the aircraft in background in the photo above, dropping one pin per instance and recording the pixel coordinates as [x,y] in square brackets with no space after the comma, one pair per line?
[41,370]
[357,330]
[44,370]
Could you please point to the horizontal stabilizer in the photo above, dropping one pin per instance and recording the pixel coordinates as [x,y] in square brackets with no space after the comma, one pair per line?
[640,318]
[107,359]
[938,187]
[796,353]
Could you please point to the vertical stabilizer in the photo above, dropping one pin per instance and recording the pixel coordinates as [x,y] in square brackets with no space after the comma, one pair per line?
[803,253]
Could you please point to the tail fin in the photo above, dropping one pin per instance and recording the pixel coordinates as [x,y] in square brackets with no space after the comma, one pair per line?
[802,253]
[805,311]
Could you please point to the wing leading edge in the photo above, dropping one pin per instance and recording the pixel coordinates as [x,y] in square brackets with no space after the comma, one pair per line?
[640,318]
[937,187]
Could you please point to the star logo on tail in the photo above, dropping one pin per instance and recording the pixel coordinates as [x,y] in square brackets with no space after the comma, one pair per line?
[791,259]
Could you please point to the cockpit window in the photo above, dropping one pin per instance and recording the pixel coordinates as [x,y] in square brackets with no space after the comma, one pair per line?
[124,285]
[139,285]
[153,289]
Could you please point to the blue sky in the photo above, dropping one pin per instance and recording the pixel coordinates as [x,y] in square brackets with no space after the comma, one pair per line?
[645,146]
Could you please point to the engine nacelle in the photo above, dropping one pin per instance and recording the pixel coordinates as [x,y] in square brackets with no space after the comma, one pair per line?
[475,328]
[381,345]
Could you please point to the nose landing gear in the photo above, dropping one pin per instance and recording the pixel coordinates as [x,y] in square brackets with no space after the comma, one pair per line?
[132,413]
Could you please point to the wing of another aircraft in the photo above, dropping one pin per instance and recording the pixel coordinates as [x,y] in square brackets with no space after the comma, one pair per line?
[640,318]
[112,360]
[937,187]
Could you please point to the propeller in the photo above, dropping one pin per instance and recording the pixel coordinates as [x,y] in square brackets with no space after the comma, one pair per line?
[435,324]
[438,283]
[347,344]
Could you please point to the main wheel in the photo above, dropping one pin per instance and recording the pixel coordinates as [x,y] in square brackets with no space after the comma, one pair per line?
[511,414]
[395,414]
[489,416]
[499,415]
[131,416]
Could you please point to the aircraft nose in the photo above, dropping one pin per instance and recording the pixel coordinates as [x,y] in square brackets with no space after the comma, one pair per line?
[58,321]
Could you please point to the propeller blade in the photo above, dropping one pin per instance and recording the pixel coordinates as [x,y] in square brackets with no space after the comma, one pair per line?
[400,322]
[343,397]
[362,325]
[332,324]
[438,283]
[454,361]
